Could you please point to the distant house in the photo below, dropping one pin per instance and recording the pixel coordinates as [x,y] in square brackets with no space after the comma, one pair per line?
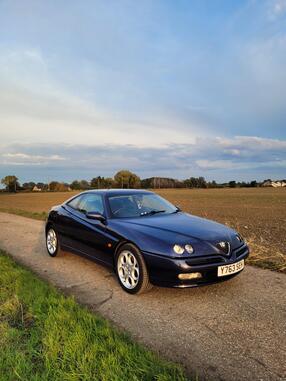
[36,189]
[274,184]
[67,187]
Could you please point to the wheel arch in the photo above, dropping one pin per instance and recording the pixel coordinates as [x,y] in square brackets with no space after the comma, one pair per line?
[49,224]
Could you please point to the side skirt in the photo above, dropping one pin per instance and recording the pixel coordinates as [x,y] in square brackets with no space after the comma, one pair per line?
[84,255]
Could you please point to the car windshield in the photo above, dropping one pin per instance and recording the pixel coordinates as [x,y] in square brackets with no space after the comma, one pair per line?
[139,205]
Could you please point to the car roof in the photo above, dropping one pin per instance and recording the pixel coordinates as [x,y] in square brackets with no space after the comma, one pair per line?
[117,192]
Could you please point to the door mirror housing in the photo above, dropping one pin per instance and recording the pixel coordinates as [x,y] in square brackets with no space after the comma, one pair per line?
[96,216]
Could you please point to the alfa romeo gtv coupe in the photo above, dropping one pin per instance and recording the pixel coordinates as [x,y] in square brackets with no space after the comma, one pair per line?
[145,239]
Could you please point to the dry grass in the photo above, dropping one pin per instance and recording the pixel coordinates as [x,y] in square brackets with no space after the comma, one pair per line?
[33,202]
[258,213]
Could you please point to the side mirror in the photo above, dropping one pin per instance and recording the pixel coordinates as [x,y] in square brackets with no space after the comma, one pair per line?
[178,208]
[96,216]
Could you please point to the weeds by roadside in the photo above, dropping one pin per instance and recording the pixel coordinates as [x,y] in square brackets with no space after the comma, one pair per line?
[25,213]
[260,257]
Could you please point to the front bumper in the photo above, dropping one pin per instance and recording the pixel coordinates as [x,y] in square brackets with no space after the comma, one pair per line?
[164,271]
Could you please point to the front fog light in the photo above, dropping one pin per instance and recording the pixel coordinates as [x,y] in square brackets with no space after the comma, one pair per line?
[189,249]
[178,249]
[189,276]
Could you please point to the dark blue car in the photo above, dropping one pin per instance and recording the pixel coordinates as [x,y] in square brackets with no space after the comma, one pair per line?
[145,239]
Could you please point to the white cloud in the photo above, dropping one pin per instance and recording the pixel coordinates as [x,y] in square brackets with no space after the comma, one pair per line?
[278,7]
[251,142]
[204,157]
[24,156]
[215,164]
[231,165]
[233,151]
[36,107]
[19,158]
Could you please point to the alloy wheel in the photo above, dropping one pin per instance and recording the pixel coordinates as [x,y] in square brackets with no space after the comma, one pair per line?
[128,269]
[52,241]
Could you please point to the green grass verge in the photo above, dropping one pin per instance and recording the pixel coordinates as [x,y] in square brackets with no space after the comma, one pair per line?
[47,336]
[24,213]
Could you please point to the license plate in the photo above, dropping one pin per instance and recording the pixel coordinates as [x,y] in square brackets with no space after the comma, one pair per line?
[230,269]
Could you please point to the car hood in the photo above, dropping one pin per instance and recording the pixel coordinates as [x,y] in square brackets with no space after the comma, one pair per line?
[183,224]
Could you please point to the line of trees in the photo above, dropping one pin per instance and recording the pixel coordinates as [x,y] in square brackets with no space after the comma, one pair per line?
[122,179]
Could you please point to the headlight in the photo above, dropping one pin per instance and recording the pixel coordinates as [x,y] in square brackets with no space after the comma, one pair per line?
[178,249]
[189,249]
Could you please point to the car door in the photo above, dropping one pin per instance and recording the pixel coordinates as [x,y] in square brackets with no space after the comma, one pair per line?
[87,236]
[67,224]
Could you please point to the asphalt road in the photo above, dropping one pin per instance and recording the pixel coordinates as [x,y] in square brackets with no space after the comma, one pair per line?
[235,330]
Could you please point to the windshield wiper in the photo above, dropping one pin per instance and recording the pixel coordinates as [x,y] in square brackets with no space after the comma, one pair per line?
[154,211]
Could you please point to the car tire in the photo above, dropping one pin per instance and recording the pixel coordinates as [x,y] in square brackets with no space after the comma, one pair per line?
[52,242]
[131,270]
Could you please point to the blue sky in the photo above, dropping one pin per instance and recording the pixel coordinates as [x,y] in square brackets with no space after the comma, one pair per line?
[170,88]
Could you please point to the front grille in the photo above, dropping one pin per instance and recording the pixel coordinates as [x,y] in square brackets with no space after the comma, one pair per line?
[216,259]
[240,251]
[205,261]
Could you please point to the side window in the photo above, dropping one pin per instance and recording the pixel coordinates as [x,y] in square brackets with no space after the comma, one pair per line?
[74,202]
[91,203]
